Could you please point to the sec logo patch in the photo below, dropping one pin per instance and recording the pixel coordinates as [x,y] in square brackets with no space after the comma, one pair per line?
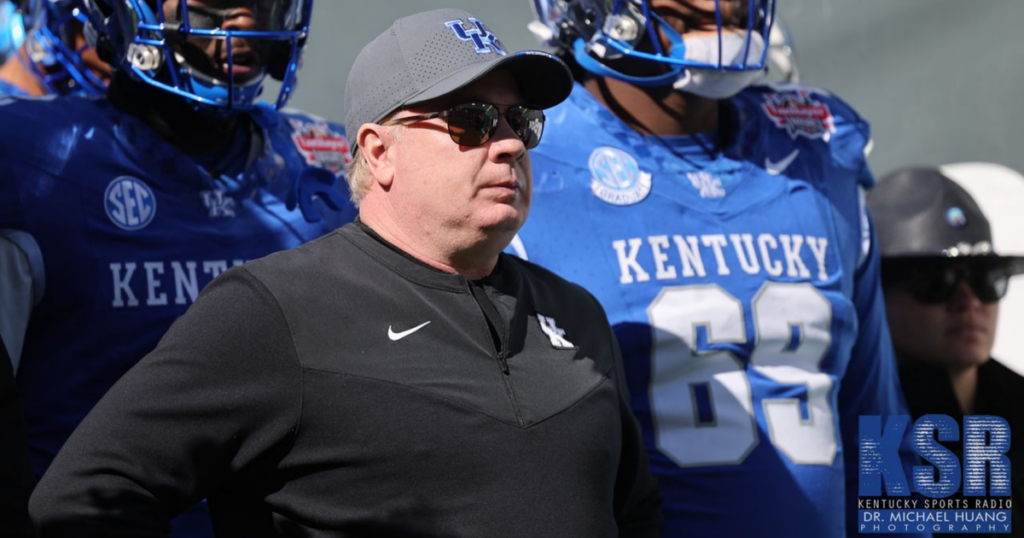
[617,178]
[130,203]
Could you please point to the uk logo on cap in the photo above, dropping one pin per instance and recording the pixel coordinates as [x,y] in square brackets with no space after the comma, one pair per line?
[484,40]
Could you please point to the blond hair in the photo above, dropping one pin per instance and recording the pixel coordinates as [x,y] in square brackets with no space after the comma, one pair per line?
[359,177]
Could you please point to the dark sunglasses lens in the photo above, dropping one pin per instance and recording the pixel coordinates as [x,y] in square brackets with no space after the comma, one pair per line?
[934,286]
[940,284]
[528,124]
[988,285]
[472,124]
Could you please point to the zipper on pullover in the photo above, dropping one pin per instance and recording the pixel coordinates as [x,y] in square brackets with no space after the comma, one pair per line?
[497,331]
[503,362]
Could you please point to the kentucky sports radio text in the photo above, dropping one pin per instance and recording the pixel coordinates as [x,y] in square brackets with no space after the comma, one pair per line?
[984,504]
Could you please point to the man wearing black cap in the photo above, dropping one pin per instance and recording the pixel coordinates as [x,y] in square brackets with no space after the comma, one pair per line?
[942,281]
[399,377]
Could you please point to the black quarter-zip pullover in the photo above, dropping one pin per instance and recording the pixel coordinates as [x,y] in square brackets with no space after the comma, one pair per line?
[342,389]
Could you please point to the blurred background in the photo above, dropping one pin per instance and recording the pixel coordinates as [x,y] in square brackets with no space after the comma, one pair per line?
[939,80]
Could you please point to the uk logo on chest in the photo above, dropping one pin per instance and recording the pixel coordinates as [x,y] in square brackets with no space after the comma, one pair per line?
[218,204]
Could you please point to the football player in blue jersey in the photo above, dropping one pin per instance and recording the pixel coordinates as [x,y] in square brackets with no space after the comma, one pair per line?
[54,56]
[721,223]
[116,210]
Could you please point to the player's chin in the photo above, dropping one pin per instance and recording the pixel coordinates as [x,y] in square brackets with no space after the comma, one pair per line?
[242,74]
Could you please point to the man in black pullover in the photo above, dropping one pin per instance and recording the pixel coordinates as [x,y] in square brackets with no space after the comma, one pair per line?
[399,377]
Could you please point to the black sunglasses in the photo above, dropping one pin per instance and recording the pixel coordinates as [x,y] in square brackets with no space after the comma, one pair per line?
[473,124]
[935,284]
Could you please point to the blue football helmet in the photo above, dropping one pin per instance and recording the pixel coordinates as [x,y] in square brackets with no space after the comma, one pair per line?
[214,56]
[54,58]
[12,29]
[598,32]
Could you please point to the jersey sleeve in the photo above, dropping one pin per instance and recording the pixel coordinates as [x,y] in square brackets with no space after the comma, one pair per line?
[851,143]
[871,383]
[11,211]
[815,121]
[210,405]
[316,154]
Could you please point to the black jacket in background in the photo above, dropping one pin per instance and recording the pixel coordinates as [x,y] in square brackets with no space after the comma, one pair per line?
[296,396]
[16,478]
[929,390]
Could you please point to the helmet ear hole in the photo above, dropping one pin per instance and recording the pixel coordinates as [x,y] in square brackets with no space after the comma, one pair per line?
[280,58]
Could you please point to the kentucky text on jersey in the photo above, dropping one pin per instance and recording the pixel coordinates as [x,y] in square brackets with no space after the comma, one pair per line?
[665,257]
[149,280]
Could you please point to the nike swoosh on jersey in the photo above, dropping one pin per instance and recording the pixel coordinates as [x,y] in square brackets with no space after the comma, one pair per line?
[398,336]
[781,166]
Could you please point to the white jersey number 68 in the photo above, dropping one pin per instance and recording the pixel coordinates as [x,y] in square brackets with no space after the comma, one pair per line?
[701,399]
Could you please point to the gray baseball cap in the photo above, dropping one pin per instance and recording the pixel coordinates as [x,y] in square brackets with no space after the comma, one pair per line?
[429,55]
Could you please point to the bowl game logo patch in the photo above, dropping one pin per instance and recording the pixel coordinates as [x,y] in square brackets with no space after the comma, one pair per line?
[321,146]
[800,114]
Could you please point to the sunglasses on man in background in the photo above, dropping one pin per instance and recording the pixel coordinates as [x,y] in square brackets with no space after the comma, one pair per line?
[935,282]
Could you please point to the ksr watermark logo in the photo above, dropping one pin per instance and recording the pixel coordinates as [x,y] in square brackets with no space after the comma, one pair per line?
[952,497]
